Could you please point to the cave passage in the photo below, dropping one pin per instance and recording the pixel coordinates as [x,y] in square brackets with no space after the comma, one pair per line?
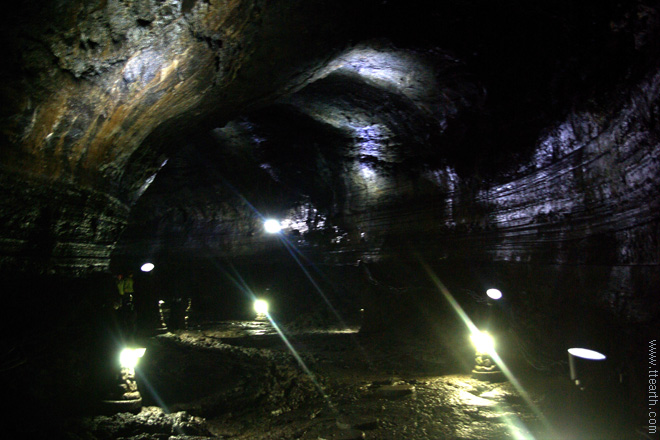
[451,211]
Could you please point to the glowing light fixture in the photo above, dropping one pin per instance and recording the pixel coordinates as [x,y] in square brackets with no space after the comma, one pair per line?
[486,368]
[494,294]
[585,353]
[147,267]
[584,372]
[272,226]
[261,307]
[129,357]
[483,342]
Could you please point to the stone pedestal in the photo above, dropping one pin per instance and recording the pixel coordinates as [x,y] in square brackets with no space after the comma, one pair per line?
[486,369]
[123,395]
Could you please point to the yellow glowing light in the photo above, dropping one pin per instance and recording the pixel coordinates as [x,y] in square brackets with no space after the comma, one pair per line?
[129,357]
[272,226]
[483,342]
[496,358]
[585,353]
[261,307]
[494,294]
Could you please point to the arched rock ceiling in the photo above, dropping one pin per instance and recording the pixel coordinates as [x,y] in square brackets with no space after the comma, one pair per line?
[515,131]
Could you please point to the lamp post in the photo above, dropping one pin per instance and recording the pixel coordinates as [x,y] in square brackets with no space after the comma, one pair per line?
[586,366]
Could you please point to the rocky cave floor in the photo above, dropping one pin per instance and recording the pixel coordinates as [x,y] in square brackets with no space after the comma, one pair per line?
[239,380]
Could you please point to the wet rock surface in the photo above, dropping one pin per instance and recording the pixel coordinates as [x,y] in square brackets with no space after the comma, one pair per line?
[149,422]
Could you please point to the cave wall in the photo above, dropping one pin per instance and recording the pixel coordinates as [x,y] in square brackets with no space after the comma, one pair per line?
[587,195]
[56,228]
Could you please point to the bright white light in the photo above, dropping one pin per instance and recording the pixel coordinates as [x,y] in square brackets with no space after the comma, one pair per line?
[494,294]
[147,267]
[483,342]
[261,307]
[272,226]
[585,353]
[129,357]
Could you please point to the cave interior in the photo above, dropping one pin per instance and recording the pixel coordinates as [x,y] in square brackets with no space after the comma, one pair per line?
[412,155]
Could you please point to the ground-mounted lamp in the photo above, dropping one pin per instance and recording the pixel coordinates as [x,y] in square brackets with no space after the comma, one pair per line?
[261,308]
[485,367]
[163,315]
[123,395]
[587,367]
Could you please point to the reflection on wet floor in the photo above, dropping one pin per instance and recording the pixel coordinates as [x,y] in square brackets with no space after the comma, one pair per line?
[237,329]
[241,329]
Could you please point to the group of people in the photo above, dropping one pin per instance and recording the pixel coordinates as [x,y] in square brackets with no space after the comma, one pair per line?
[153,312]
[125,289]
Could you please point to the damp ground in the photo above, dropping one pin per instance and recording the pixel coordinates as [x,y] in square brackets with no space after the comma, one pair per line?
[247,380]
